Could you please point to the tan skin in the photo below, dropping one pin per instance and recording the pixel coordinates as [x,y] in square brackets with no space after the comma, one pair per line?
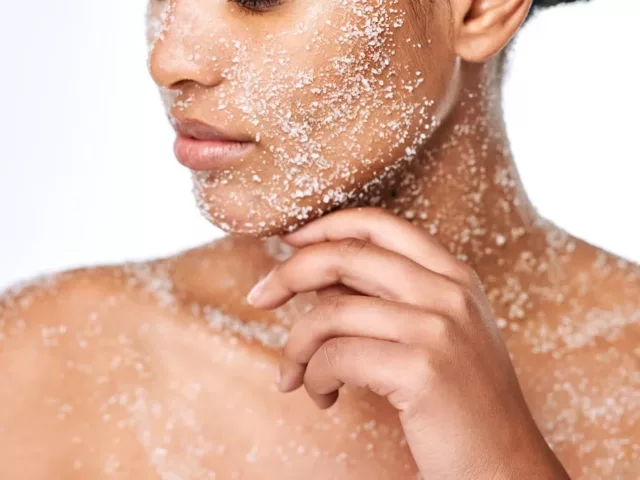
[168,370]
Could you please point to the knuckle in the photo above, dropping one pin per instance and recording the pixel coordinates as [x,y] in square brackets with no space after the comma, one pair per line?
[467,275]
[441,330]
[323,322]
[423,370]
[328,313]
[331,351]
[333,305]
[330,310]
[461,300]
[352,246]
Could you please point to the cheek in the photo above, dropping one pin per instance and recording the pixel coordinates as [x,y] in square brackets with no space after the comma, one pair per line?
[348,99]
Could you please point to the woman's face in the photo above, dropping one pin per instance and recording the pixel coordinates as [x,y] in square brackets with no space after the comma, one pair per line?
[335,97]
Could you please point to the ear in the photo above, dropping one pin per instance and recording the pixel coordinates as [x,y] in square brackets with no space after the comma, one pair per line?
[484,27]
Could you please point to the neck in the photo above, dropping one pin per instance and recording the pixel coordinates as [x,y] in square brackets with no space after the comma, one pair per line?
[464,187]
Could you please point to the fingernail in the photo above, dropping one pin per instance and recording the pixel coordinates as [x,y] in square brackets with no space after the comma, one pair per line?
[254,295]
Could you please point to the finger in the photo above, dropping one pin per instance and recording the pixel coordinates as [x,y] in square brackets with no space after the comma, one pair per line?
[354,316]
[359,265]
[323,401]
[385,230]
[333,291]
[389,369]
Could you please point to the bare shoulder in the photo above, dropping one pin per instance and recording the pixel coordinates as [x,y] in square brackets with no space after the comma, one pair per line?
[69,342]
[62,300]
[217,273]
[55,299]
[89,357]
[52,350]
[48,321]
[75,310]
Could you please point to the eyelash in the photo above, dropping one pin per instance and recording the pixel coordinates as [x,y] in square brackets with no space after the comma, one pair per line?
[257,6]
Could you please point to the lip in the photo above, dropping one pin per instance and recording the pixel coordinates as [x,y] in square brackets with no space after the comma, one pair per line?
[199,146]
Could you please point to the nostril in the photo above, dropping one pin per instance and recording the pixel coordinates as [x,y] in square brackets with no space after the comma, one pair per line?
[180,84]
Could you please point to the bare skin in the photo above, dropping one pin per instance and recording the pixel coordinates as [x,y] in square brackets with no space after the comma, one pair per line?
[164,370]
[132,376]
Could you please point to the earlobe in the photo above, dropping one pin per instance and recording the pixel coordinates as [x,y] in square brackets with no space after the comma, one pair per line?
[487,26]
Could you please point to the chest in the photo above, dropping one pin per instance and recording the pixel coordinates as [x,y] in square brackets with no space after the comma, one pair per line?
[582,383]
[201,403]
[196,399]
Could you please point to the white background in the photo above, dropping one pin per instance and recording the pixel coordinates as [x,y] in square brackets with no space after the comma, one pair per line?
[86,168]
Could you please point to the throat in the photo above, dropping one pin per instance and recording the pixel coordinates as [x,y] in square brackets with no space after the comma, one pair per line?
[464,187]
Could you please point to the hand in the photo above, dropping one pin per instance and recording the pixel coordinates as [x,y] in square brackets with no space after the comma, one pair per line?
[401,316]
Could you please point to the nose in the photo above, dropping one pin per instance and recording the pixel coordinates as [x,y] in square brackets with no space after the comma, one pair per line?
[185,51]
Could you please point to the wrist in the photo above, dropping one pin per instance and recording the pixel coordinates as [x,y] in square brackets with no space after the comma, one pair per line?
[544,464]
[548,472]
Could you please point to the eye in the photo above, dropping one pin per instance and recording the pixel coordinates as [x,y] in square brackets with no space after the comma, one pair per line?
[257,6]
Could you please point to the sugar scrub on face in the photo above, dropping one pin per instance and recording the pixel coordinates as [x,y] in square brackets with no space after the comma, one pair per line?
[332,94]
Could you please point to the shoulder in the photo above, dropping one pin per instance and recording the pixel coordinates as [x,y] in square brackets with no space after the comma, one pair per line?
[47,328]
[48,320]
[67,343]
[66,296]
[124,297]
[70,340]
[56,295]
[217,274]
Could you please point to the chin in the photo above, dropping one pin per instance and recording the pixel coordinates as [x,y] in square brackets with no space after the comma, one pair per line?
[260,217]
[237,204]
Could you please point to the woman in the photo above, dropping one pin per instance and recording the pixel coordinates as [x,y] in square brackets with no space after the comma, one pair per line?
[288,112]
